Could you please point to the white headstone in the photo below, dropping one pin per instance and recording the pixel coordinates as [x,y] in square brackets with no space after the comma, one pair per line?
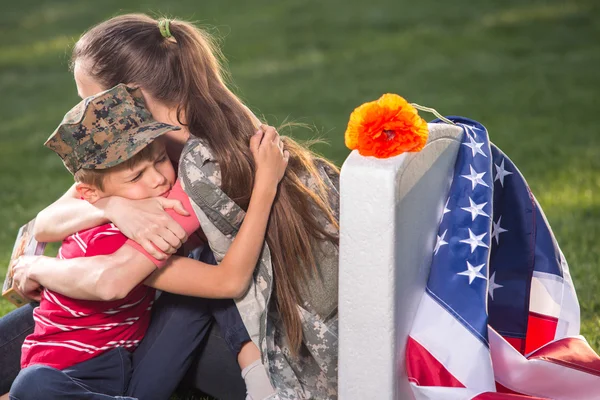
[389,215]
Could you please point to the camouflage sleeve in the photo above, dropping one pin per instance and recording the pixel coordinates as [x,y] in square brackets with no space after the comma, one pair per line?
[313,373]
[332,172]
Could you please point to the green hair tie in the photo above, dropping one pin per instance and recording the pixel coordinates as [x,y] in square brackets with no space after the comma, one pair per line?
[163,26]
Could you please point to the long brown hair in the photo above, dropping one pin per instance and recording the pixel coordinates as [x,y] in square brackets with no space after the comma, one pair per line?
[186,71]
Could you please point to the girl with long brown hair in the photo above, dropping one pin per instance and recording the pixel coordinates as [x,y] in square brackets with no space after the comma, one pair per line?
[290,310]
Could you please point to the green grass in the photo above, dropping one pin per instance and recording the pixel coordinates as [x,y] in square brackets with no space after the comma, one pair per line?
[527,70]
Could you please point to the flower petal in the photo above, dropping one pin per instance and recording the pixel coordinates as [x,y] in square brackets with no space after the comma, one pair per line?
[386,127]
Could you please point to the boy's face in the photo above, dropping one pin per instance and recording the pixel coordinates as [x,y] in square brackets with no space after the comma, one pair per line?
[148,178]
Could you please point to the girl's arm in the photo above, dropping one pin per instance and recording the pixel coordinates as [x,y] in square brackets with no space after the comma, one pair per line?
[113,276]
[231,277]
[143,221]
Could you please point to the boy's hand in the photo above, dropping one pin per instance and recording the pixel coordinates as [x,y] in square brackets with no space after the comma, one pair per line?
[269,155]
[22,283]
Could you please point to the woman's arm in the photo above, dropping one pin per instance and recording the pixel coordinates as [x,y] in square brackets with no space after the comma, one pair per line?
[113,276]
[143,221]
[94,277]
[231,278]
[104,277]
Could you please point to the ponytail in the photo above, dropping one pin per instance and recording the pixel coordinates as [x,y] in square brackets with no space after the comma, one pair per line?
[178,64]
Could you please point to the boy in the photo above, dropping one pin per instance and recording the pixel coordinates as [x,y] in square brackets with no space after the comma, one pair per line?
[80,348]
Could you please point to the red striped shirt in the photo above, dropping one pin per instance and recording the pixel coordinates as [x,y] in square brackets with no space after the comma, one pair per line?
[69,331]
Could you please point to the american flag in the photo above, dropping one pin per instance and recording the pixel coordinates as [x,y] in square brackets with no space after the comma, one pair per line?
[499,318]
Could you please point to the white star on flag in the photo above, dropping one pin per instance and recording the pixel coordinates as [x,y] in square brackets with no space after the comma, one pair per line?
[469,130]
[475,178]
[497,230]
[473,272]
[475,241]
[475,209]
[493,285]
[475,147]
[440,242]
[501,173]
[446,209]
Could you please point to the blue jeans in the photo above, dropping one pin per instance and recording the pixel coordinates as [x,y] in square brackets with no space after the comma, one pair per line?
[14,328]
[104,377]
[181,344]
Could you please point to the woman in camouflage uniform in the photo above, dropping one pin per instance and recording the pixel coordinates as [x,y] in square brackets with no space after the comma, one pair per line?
[290,306]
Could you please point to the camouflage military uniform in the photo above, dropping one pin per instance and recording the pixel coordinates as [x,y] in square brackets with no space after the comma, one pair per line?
[313,373]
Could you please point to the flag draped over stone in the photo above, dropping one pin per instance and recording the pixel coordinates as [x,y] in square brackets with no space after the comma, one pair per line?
[499,317]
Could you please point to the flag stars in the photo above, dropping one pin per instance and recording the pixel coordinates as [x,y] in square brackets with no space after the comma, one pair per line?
[470,130]
[475,209]
[475,146]
[497,230]
[475,178]
[446,209]
[501,173]
[475,241]
[473,272]
[440,242]
[493,285]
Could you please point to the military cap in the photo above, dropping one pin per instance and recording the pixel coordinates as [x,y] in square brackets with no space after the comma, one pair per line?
[105,130]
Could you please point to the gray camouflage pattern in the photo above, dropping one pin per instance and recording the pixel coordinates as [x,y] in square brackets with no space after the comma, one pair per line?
[105,129]
[312,374]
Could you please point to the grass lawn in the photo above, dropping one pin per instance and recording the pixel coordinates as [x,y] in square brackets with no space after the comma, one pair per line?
[527,70]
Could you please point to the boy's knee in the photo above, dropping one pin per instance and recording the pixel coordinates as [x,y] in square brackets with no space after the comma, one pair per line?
[32,382]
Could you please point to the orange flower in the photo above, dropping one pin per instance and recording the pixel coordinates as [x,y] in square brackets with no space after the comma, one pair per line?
[386,127]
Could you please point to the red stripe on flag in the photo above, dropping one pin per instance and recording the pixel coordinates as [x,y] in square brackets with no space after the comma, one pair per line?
[517,343]
[574,353]
[424,370]
[513,395]
[505,396]
[540,331]
[503,389]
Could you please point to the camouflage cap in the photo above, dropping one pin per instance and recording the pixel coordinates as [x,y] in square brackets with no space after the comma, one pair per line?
[105,130]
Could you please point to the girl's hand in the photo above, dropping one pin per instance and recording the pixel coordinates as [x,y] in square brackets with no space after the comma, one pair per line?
[147,223]
[270,157]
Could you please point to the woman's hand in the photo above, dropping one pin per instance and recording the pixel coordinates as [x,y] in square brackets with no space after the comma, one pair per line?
[147,223]
[270,157]
[22,282]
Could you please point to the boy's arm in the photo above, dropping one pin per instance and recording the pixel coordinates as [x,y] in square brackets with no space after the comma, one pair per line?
[111,277]
[145,221]
[103,277]
[67,215]
[100,276]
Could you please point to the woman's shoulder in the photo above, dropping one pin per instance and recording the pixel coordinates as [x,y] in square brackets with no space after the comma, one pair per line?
[197,149]
[198,160]
[329,170]
[323,175]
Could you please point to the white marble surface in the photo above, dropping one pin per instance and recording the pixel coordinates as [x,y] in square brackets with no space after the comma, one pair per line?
[390,209]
